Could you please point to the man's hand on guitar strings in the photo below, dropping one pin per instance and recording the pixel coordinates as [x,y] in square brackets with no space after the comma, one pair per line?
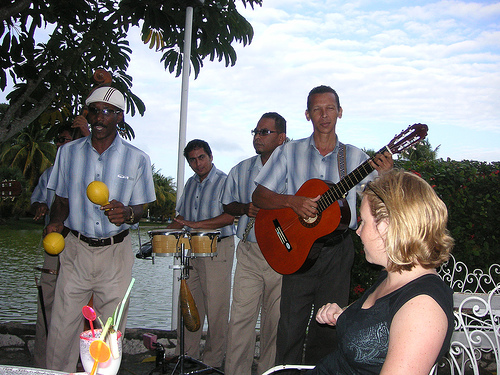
[303,206]
[382,162]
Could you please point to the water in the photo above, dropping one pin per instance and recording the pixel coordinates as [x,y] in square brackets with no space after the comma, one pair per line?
[21,250]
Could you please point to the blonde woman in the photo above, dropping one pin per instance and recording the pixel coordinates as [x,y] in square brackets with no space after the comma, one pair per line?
[403,323]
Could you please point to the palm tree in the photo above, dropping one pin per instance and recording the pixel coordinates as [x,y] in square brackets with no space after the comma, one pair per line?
[422,151]
[29,152]
[165,190]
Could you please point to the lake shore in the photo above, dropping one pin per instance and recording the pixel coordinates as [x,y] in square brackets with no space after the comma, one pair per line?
[17,342]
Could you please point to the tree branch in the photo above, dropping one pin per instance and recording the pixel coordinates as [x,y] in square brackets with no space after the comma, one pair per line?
[12,10]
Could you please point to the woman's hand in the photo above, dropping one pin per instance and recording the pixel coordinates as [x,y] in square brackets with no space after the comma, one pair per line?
[328,314]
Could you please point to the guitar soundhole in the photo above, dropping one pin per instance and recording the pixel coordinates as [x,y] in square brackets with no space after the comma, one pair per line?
[311,222]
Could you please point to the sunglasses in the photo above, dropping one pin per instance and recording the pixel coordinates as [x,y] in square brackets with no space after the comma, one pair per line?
[105,111]
[62,139]
[263,132]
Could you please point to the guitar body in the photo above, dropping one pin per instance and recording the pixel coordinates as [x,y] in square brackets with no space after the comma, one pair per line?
[289,256]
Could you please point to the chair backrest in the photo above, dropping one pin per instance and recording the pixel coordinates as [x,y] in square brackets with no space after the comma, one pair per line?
[457,275]
[475,341]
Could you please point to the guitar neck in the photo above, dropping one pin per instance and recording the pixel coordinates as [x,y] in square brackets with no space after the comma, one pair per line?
[340,189]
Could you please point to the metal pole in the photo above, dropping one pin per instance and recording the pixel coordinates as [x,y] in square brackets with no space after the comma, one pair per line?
[186,64]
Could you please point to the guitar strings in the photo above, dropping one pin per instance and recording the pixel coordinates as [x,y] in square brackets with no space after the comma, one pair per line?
[337,191]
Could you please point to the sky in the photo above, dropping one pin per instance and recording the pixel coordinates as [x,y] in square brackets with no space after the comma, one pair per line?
[392,64]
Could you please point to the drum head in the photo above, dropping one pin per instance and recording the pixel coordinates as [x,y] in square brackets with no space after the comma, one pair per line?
[166,232]
[204,232]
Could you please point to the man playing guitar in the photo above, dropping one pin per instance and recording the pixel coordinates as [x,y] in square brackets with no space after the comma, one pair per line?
[319,156]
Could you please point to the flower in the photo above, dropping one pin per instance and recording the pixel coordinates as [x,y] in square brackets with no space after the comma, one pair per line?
[415,172]
[358,289]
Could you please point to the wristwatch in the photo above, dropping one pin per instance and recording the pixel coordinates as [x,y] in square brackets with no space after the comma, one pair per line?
[131,218]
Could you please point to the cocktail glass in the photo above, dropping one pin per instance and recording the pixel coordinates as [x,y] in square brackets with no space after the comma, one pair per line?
[110,367]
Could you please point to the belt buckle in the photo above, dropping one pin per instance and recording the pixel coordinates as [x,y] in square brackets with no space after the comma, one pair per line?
[95,242]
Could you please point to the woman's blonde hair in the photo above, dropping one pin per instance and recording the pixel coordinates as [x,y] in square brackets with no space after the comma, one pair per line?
[416,218]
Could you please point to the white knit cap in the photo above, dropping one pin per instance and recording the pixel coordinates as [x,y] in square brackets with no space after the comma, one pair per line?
[108,95]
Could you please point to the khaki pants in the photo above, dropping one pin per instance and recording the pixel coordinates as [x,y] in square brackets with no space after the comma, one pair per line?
[210,284]
[257,287]
[104,271]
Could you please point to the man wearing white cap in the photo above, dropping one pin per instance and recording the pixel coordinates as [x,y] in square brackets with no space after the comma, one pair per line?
[97,259]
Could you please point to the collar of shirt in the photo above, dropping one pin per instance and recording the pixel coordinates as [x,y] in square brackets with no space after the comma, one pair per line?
[117,143]
[210,177]
[335,150]
[257,163]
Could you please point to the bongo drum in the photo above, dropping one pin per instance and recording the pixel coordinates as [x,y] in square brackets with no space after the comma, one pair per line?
[167,242]
[204,243]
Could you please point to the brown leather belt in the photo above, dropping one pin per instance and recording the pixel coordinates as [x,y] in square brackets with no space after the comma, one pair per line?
[99,242]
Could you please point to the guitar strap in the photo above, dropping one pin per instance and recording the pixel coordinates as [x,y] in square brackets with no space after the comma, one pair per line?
[341,160]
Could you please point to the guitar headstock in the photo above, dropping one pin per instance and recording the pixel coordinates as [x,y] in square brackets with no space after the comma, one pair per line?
[413,134]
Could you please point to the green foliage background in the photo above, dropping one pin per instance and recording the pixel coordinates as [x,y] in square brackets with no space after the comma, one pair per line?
[470,190]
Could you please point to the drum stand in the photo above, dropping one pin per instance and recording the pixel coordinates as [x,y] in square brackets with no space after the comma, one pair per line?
[181,358]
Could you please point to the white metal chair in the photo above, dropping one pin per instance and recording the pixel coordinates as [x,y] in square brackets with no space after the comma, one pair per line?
[476,303]
[278,368]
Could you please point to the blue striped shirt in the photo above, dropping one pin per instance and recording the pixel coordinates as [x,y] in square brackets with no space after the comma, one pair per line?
[40,193]
[43,195]
[239,188]
[202,200]
[125,170]
[295,162]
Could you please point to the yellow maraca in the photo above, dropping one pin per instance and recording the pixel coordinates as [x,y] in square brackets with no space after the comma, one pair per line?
[53,243]
[98,193]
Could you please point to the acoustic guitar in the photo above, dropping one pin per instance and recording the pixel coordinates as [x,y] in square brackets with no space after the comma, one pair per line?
[285,239]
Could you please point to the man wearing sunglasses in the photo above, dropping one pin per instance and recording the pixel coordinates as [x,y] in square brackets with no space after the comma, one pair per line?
[256,286]
[319,156]
[97,259]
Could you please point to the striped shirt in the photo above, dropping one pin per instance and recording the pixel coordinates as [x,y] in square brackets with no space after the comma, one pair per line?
[202,200]
[41,194]
[239,188]
[125,170]
[295,162]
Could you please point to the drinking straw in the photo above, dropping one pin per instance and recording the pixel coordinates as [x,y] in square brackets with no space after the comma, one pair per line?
[117,323]
[105,329]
